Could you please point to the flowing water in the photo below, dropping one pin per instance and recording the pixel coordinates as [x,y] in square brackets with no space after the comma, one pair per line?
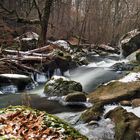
[91,76]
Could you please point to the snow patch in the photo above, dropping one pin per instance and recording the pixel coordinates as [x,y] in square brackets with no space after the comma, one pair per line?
[132,77]
[135,110]
[14,75]
[63,44]
[55,77]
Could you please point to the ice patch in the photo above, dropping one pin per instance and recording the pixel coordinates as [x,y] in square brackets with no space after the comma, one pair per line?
[41,78]
[9,89]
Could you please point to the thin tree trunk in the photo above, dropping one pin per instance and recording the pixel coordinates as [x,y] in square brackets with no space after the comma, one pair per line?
[45,21]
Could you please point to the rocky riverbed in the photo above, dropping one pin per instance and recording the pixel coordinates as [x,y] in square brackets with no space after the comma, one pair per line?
[99,99]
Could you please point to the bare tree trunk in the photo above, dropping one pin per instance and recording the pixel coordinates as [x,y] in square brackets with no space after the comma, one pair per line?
[45,21]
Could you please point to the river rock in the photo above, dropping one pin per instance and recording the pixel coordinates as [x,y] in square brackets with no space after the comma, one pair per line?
[136,102]
[133,56]
[127,125]
[93,114]
[122,67]
[76,97]
[39,125]
[125,103]
[116,91]
[60,86]
[21,81]
[130,42]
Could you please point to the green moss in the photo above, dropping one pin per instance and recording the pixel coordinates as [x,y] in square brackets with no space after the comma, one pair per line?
[49,120]
[61,87]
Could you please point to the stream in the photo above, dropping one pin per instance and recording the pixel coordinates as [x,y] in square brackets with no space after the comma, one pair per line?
[91,76]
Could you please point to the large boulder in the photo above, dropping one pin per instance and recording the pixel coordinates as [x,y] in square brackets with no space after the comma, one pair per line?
[124,89]
[20,122]
[134,56]
[127,125]
[127,88]
[17,80]
[27,41]
[61,86]
[130,42]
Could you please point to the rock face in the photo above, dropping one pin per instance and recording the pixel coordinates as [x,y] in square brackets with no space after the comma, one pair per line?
[29,123]
[76,97]
[127,125]
[130,42]
[60,86]
[21,81]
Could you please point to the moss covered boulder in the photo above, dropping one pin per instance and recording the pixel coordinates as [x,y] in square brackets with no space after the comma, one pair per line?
[60,86]
[20,122]
[127,125]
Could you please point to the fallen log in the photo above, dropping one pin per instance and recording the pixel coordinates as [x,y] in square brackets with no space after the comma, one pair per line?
[47,49]
[21,53]
[22,66]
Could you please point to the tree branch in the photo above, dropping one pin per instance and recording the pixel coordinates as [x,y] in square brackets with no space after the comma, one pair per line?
[38,10]
[5,9]
[27,21]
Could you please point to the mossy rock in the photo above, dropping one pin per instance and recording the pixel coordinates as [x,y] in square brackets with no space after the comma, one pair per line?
[34,124]
[76,97]
[127,125]
[60,86]
[93,114]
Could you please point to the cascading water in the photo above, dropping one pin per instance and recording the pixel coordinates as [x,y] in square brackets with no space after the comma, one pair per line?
[90,76]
